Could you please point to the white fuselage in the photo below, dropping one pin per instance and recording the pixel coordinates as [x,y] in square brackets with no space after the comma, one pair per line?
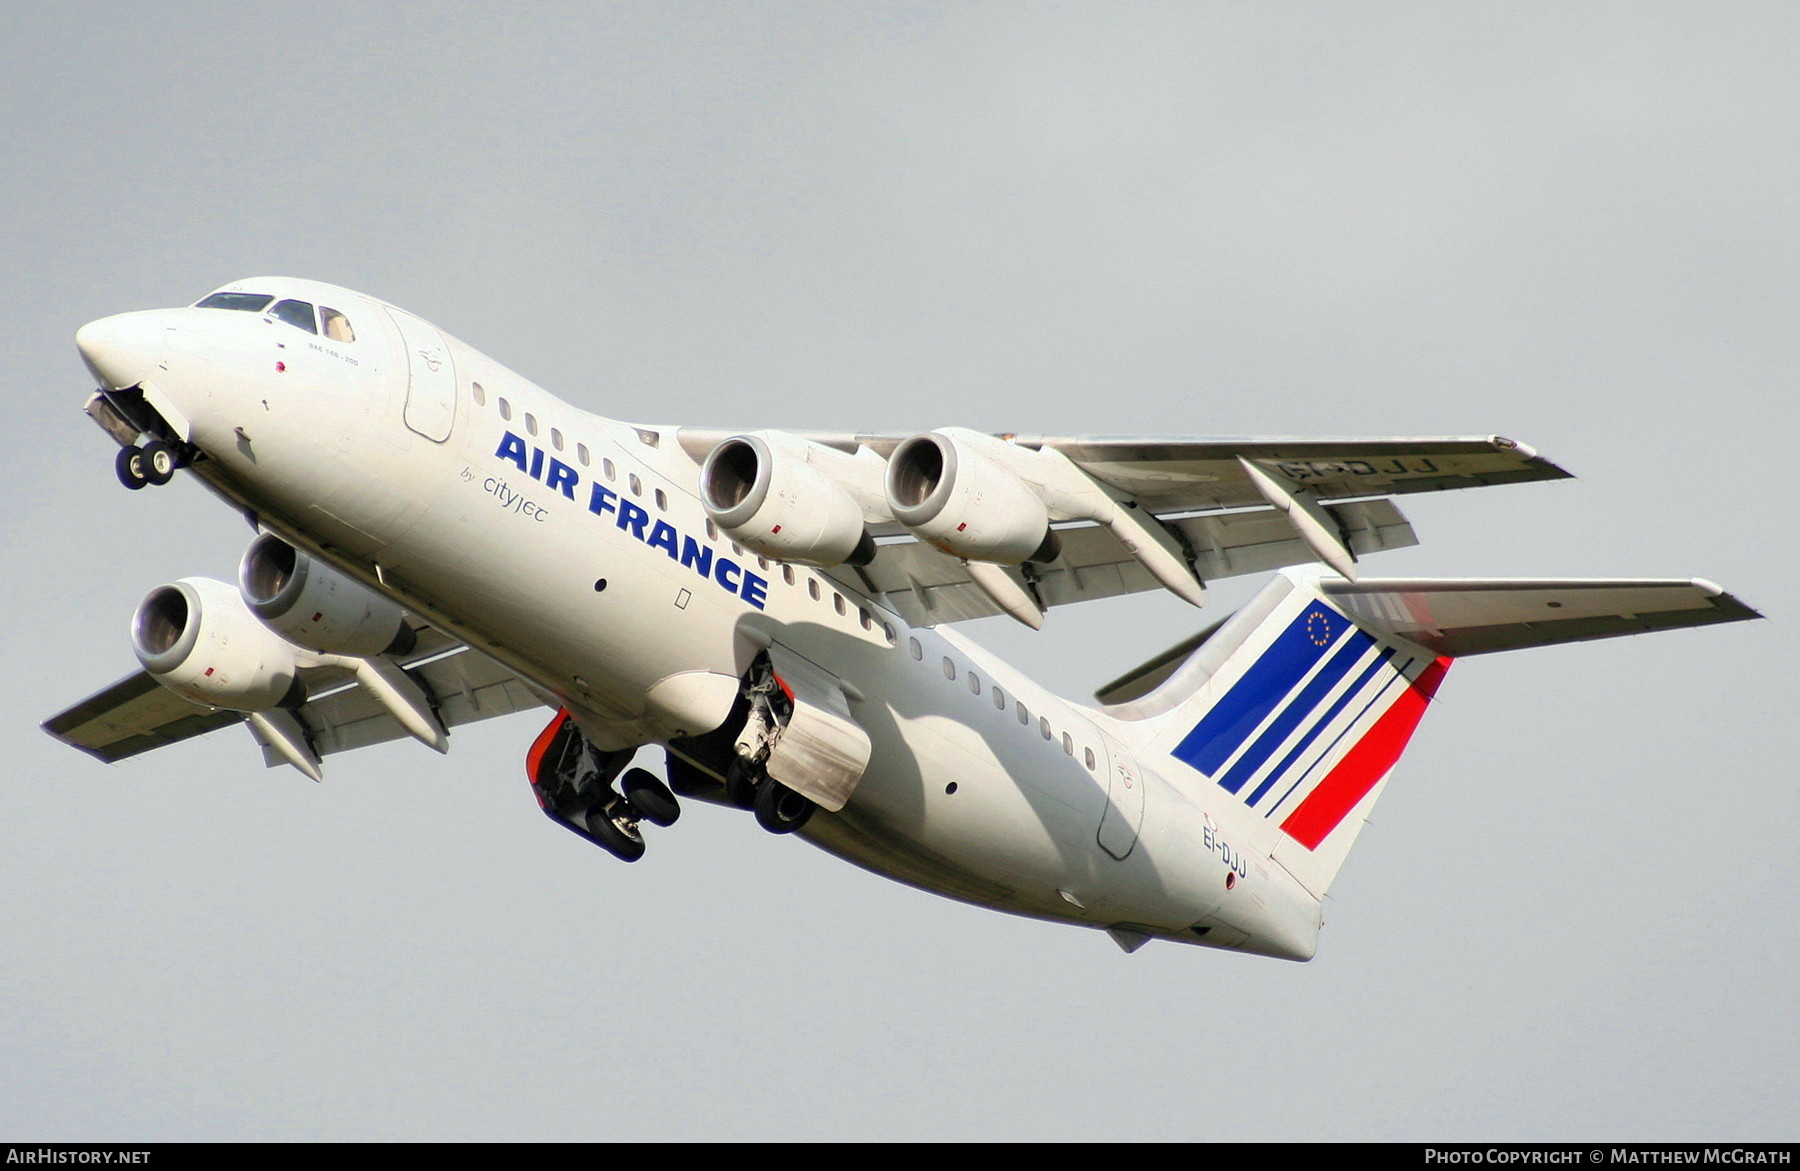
[495,511]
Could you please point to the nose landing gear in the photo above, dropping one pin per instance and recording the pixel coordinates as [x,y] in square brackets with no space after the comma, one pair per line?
[156,462]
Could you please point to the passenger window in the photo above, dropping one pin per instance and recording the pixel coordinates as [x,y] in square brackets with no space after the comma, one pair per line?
[556,439]
[337,326]
[918,652]
[837,603]
[581,453]
[480,394]
[999,699]
[868,621]
[1044,726]
[712,531]
[1089,752]
[637,489]
[812,587]
[949,668]
[248,302]
[1068,745]
[506,410]
[1024,714]
[787,574]
[662,501]
[530,423]
[974,683]
[606,466]
[295,313]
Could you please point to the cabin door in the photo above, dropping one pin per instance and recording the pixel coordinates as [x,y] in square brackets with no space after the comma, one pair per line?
[1124,811]
[431,378]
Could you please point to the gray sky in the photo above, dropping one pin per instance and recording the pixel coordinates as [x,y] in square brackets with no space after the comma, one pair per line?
[1573,914]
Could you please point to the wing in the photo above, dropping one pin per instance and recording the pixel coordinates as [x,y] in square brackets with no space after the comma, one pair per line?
[137,713]
[1195,474]
[1236,505]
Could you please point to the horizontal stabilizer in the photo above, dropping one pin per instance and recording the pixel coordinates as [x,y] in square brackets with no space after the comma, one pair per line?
[1286,719]
[1473,616]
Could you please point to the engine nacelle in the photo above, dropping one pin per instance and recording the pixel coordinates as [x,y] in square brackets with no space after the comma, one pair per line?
[312,605]
[767,493]
[197,638]
[952,496]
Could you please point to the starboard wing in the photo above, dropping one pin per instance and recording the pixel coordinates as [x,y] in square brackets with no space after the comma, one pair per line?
[1235,504]
[138,714]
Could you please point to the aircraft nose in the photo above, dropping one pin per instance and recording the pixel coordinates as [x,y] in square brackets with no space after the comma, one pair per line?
[124,350]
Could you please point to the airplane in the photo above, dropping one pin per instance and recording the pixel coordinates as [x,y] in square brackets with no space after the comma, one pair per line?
[439,541]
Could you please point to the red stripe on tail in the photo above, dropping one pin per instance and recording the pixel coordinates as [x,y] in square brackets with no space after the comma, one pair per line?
[1364,766]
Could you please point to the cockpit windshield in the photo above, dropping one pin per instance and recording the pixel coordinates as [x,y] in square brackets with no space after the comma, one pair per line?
[248,302]
[336,325]
[296,313]
[299,314]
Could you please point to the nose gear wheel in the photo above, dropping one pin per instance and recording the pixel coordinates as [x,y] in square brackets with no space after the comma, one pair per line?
[129,467]
[156,462]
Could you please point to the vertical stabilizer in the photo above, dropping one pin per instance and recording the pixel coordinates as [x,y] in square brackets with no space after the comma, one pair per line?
[1285,721]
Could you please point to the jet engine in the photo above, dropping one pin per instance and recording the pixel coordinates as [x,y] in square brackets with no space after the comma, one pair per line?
[952,496]
[197,638]
[769,494]
[312,605]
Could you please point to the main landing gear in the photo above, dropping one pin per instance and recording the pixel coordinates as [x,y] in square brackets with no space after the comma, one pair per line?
[573,782]
[592,792]
[778,809]
[156,462]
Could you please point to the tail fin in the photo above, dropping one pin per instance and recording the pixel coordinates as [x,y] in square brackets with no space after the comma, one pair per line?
[1287,718]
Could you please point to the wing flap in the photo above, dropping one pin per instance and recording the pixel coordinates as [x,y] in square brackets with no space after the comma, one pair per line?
[930,587]
[465,687]
[1204,473]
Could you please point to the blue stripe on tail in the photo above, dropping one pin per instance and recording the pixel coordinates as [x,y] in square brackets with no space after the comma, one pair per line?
[1237,714]
[1312,734]
[1349,651]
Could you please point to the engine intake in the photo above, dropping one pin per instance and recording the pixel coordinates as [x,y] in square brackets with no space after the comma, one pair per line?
[951,496]
[196,637]
[768,495]
[313,605]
